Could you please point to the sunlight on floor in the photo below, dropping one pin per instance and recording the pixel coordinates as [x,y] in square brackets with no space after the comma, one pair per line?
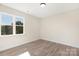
[25,54]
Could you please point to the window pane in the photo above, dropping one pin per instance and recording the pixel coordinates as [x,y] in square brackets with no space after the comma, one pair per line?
[6,30]
[6,20]
[19,21]
[6,25]
[19,29]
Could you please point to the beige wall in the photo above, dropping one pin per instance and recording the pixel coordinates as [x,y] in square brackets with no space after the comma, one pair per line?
[31,30]
[62,28]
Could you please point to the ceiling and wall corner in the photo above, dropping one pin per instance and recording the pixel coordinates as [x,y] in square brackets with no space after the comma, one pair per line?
[50,8]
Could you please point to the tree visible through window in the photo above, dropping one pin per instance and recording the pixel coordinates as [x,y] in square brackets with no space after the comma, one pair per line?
[19,25]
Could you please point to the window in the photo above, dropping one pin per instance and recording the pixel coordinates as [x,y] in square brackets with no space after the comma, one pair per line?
[6,25]
[11,24]
[19,25]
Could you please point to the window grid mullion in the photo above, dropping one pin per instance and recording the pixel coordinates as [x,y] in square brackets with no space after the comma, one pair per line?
[14,28]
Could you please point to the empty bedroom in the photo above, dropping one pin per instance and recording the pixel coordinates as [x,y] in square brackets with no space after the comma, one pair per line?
[39,29]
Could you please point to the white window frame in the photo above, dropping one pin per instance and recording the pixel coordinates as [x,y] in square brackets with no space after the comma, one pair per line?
[14,24]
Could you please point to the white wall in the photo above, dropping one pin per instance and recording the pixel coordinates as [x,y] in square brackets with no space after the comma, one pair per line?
[31,30]
[62,28]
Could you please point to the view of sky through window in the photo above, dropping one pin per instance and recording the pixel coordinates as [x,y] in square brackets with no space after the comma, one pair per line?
[19,20]
[6,20]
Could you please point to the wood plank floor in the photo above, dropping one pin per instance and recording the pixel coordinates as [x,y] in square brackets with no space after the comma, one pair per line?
[42,48]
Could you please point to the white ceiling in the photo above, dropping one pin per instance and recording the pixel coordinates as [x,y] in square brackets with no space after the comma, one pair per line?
[50,9]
